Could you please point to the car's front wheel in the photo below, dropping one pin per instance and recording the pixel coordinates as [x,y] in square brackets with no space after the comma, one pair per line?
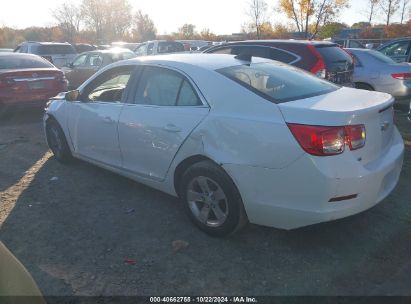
[57,141]
[211,199]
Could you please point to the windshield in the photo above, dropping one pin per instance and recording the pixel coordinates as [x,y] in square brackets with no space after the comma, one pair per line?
[20,62]
[381,57]
[278,82]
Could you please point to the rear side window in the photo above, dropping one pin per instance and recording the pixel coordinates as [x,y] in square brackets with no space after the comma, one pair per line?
[333,54]
[397,49]
[20,62]
[53,49]
[278,83]
[163,87]
[170,47]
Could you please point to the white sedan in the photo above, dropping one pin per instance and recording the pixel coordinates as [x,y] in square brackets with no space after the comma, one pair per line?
[235,138]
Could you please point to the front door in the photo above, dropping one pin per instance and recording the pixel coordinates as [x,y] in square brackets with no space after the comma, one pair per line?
[93,120]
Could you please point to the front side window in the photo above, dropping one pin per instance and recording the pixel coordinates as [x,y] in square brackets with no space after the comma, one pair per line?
[109,86]
[163,87]
[169,47]
[94,60]
[141,50]
[396,49]
[79,61]
[276,82]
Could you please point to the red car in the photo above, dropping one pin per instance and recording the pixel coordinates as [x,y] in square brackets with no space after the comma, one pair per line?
[27,79]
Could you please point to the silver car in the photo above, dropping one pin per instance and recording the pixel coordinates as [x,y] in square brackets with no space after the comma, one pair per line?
[377,72]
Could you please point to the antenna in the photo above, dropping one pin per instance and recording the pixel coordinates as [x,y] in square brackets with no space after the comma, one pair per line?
[244,57]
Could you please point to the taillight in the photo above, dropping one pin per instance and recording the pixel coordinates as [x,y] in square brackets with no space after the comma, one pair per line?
[401,76]
[355,136]
[319,68]
[327,141]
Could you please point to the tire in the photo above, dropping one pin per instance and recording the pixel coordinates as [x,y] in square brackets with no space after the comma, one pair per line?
[211,199]
[364,86]
[57,142]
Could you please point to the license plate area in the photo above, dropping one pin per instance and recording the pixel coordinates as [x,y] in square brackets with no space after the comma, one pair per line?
[36,85]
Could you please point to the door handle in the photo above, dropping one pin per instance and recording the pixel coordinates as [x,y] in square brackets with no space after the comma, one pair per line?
[108,120]
[172,128]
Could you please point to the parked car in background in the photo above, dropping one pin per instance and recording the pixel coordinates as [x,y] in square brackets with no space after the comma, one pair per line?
[57,53]
[234,138]
[125,45]
[375,71]
[86,64]
[398,49]
[3,50]
[346,43]
[28,80]
[194,45]
[323,59]
[158,47]
[84,47]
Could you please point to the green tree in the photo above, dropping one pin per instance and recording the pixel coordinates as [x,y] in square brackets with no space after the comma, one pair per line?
[331,29]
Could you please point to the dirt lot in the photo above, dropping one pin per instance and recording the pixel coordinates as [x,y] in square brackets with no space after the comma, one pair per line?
[73,227]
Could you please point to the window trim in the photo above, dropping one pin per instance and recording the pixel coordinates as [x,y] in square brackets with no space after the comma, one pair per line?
[298,57]
[133,92]
[85,91]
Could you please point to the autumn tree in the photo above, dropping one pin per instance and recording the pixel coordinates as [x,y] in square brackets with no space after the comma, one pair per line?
[312,12]
[69,18]
[143,27]
[206,34]
[187,31]
[389,8]
[257,11]
[118,19]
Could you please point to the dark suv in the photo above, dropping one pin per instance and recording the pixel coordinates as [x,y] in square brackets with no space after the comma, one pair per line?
[324,59]
[59,54]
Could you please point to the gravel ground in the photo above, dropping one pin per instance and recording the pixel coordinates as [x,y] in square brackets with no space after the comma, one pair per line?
[81,230]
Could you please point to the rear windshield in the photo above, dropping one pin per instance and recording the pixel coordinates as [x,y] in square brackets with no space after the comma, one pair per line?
[333,54]
[170,47]
[20,62]
[380,57]
[278,82]
[122,56]
[53,49]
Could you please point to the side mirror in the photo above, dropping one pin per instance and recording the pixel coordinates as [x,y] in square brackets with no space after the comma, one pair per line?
[72,95]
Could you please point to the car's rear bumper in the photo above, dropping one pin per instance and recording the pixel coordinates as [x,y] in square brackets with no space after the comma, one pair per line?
[299,195]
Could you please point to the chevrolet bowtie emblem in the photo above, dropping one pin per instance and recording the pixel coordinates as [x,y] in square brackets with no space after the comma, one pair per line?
[385,125]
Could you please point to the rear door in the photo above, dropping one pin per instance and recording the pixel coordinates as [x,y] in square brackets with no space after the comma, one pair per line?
[161,114]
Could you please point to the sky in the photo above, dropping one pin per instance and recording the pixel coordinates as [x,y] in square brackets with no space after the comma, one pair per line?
[220,16]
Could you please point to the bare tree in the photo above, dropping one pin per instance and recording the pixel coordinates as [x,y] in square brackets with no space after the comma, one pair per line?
[404,6]
[69,18]
[258,13]
[389,7]
[372,9]
[94,16]
[143,27]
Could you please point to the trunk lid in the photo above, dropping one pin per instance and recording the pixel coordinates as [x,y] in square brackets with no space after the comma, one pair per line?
[348,106]
[31,80]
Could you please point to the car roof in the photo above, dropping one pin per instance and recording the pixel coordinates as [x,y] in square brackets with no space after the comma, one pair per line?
[4,54]
[47,43]
[109,51]
[205,61]
[289,41]
[393,41]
